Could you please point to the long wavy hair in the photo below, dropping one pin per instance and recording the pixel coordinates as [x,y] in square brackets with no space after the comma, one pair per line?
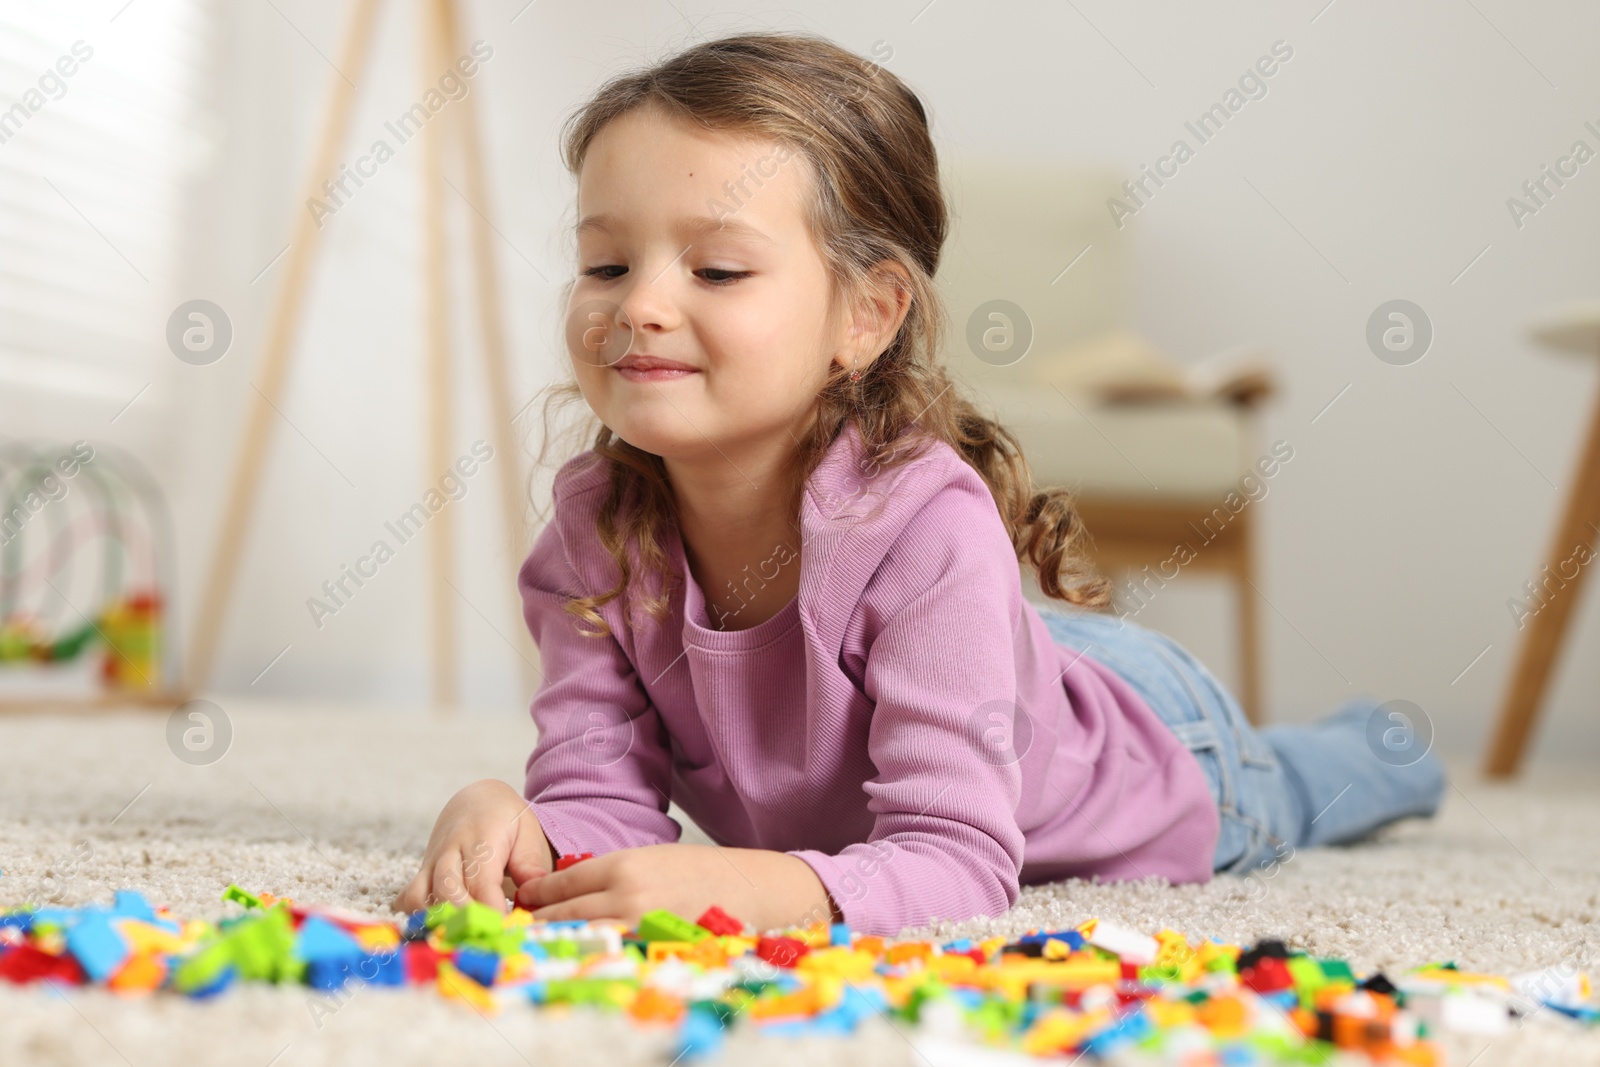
[875,195]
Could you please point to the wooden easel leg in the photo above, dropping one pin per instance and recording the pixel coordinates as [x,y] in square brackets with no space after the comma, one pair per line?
[260,423]
[1541,641]
[441,530]
[496,360]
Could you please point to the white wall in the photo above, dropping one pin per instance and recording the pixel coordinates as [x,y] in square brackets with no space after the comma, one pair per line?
[1389,144]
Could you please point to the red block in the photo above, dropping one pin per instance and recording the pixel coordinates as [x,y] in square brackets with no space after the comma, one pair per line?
[720,922]
[422,962]
[1269,975]
[781,951]
[25,963]
[563,862]
[1130,971]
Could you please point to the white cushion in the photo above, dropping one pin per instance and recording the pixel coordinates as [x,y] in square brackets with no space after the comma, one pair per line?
[1177,449]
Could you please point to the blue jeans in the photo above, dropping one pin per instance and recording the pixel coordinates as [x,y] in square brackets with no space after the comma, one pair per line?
[1361,767]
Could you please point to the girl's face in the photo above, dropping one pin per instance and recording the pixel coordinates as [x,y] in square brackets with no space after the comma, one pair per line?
[692,247]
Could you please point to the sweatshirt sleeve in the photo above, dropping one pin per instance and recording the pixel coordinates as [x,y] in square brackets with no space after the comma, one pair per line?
[941,672]
[598,777]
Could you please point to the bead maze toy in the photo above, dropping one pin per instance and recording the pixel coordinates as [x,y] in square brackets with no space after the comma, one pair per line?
[1096,989]
[85,575]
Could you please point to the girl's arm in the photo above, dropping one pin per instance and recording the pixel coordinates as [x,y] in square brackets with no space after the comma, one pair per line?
[598,777]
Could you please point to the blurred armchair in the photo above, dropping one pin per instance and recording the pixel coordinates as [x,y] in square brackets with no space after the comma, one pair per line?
[1035,281]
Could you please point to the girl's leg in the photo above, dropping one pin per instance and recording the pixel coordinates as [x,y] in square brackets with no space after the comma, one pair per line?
[1357,769]
[1335,780]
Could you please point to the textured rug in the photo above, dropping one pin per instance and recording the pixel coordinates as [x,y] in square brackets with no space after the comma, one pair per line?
[327,805]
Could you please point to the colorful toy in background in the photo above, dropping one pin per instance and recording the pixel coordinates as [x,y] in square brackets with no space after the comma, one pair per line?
[1097,989]
[85,573]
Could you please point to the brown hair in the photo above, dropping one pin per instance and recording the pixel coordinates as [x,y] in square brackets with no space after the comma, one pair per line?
[876,196]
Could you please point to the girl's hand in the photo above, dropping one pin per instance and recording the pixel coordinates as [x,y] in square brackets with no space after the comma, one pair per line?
[484,844]
[765,889]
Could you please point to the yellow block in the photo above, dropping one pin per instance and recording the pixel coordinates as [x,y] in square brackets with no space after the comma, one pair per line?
[1059,1030]
[1166,1013]
[146,937]
[457,986]
[377,938]
[957,969]
[839,962]
[662,950]
[1017,973]
[1445,974]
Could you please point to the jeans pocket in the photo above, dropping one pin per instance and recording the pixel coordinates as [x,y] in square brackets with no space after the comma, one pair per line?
[1199,736]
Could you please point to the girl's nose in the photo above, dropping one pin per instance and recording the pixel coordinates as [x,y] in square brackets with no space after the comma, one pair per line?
[647,304]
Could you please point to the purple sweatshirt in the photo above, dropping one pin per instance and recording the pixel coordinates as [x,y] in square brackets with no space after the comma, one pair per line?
[906,725]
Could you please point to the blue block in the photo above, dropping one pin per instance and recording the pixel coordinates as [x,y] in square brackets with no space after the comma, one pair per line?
[391,969]
[478,965]
[701,1034]
[839,934]
[98,945]
[963,945]
[376,968]
[319,939]
[1073,939]
[223,980]
[131,904]
[329,974]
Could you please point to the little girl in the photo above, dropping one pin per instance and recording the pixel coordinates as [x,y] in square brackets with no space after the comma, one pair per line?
[782,588]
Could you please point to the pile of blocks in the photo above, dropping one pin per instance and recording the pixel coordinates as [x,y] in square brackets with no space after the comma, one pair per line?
[1098,989]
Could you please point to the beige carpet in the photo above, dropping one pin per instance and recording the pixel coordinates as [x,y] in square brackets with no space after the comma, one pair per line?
[332,806]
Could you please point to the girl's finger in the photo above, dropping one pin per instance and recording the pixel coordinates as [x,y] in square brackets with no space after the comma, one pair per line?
[590,876]
[485,875]
[447,882]
[411,896]
[602,905]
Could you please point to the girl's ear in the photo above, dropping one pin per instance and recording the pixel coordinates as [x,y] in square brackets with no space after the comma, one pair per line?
[876,315]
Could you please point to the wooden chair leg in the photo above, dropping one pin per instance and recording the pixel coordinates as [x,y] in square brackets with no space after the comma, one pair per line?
[1541,641]
[1249,623]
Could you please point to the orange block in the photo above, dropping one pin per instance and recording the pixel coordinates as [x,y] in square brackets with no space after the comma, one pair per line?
[909,950]
[1223,1016]
[652,1005]
[139,974]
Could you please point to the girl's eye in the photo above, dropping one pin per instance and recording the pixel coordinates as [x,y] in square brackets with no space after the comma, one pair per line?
[592,271]
[728,276]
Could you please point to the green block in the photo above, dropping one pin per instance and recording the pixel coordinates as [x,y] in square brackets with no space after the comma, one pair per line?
[263,944]
[663,925]
[249,900]
[201,969]
[475,924]
[564,949]
[1337,970]
[1307,974]
[724,1012]
[439,914]
[596,991]
[510,941]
